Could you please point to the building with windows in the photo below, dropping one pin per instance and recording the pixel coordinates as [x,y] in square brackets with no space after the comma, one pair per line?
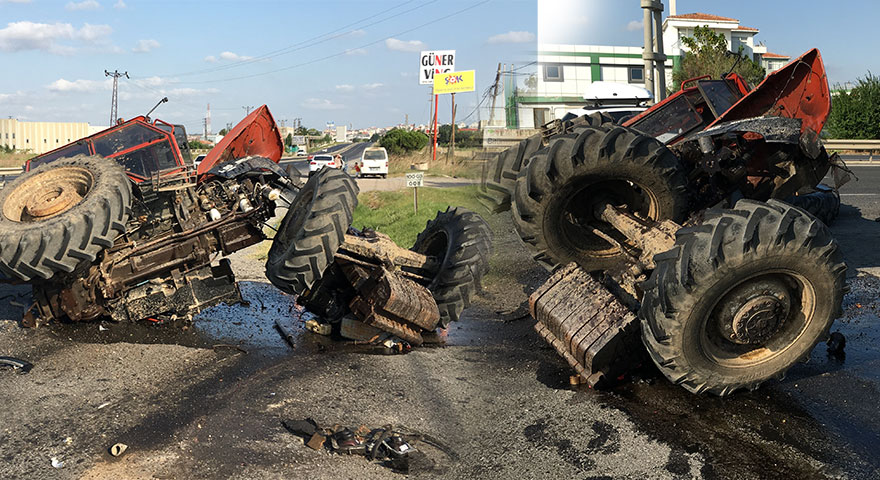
[42,137]
[564,71]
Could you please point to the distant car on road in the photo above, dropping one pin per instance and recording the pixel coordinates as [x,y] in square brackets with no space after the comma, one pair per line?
[374,161]
[317,162]
[301,152]
[198,160]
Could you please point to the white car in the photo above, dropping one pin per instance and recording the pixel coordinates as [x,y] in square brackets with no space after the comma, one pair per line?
[620,101]
[198,160]
[374,161]
[317,162]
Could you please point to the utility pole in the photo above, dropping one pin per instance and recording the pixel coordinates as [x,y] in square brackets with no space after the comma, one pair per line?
[248,109]
[653,51]
[115,74]
[494,95]
[282,122]
[205,124]
[451,150]
[406,120]
[208,122]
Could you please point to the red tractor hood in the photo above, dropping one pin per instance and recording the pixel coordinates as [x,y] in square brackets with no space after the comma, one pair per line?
[797,90]
[256,135]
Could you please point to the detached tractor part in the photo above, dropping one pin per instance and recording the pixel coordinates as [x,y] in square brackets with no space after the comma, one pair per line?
[119,224]
[404,292]
[57,216]
[677,216]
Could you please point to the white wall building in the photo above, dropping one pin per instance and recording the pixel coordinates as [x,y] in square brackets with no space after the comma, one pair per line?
[564,71]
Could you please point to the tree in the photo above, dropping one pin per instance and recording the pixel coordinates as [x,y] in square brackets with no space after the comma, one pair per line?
[708,55]
[375,137]
[399,141]
[288,141]
[197,145]
[444,133]
[856,114]
[223,132]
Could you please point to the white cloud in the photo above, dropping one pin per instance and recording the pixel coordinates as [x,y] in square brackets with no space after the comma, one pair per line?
[228,56]
[404,45]
[345,88]
[513,37]
[62,85]
[234,57]
[373,86]
[634,25]
[119,5]
[84,5]
[21,36]
[144,46]
[321,104]
[356,51]
[357,33]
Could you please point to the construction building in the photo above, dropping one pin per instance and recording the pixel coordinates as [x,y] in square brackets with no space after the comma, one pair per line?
[41,137]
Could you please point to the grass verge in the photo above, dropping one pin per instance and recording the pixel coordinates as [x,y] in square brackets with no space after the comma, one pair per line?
[392,212]
[14,159]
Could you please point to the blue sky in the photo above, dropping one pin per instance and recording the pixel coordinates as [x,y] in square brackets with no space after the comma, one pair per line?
[196,52]
[327,60]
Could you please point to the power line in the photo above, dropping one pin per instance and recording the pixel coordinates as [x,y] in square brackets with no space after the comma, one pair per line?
[115,74]
[317,40]
[321,59]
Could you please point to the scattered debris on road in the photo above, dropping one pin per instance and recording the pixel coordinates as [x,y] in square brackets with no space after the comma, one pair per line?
[836,344]
[118,449]
[22,366]
[385,445]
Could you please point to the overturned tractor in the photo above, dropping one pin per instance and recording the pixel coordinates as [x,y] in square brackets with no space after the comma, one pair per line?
[681,224]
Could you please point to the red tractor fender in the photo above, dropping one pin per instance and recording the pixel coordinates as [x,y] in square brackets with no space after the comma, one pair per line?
[797,90]
[255,135]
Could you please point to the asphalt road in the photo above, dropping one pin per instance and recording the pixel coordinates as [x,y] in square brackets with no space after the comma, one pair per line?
[493,403]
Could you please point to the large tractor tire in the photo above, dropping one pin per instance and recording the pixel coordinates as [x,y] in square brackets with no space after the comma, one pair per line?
[312,231]
[462,243]
[61,214]
[823,203]
[742,297]
[557,196]
[499,180]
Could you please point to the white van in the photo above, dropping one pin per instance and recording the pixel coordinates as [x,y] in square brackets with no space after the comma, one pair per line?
[374,161]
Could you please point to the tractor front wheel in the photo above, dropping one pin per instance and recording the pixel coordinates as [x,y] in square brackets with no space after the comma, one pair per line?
[742,297]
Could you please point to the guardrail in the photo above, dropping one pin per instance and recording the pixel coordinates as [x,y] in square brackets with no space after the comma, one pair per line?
[857,145]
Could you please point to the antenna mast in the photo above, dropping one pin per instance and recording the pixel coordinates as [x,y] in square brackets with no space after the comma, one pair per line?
[115,74]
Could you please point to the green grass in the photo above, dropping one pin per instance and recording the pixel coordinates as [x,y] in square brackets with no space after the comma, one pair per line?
[392,212]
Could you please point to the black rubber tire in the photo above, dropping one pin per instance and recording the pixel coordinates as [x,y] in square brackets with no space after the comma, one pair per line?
[497,186]
[42,248]
[588,156]
[462,241]
[499,181]
[735,247]
[823,203]
[311,231]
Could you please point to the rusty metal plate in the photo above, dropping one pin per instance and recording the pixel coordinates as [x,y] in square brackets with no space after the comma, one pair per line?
[590,328]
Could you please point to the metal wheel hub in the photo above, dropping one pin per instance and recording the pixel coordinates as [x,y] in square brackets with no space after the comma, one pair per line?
[754,311]
[51,200]
[47,194]
[758,319]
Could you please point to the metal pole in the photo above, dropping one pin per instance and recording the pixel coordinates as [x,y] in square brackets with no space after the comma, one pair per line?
[451,150]
[659,57]
[434,154]
[416,199]
[648,52]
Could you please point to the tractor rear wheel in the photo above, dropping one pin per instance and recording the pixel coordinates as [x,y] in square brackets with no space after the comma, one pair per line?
[557,196]
[462,243]
[312,231]
[61,214]
[741,297]
[499,180]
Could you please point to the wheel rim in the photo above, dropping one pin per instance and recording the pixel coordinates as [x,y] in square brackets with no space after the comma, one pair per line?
[758,319]
[577,217]
[48,194]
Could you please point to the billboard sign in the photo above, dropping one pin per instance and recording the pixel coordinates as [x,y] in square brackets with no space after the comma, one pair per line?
[435,61]
[454,82]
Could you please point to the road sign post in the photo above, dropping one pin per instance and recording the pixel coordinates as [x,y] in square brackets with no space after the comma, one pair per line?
[433,62]
[415,180]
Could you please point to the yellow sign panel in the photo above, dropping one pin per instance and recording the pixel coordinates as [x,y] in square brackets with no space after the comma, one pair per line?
[454,82]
